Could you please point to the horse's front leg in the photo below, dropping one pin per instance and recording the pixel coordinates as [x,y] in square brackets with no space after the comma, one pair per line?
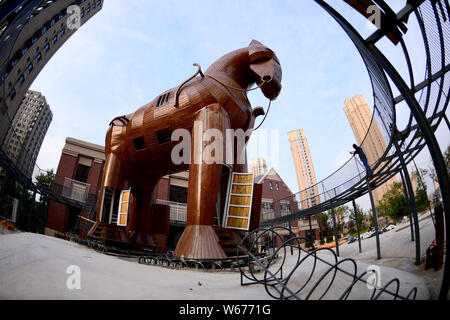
[199,240]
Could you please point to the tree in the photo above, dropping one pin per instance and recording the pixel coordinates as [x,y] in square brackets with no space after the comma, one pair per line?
[352,225]
[45,180]
[340,214]
[447,159]
[421,200]
[393,204]
[324,227]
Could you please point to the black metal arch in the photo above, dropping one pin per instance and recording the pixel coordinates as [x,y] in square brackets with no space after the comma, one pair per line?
[427,112]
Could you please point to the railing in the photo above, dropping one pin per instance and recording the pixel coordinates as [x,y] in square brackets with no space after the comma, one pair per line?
[80,193]
[178,210]
[349,180]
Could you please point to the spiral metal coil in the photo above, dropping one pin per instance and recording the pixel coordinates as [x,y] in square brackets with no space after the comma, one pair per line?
[316,273]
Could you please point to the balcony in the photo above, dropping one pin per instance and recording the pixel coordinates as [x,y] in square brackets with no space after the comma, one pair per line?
[80,193]
[178,210]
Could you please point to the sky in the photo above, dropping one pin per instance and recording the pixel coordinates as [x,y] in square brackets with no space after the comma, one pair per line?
[132,51]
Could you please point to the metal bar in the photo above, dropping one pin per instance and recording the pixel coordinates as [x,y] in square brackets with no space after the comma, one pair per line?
[335,232]
[290,232]
[3,191]
[435,152]
[281,283]
[310,229]
[446,121]
[407,196]
[357,225]
[375,220]
[30,216]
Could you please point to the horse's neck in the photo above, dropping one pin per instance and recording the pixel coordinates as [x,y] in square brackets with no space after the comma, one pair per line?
[234,66]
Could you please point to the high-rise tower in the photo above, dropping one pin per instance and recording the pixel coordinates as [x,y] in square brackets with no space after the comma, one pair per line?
[258,166]
[359,116]
[306,177]
[27,131]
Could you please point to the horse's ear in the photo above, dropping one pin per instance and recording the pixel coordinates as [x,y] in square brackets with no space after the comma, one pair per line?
[259,52]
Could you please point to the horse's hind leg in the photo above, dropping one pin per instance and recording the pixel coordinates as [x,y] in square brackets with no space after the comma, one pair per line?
[199,240]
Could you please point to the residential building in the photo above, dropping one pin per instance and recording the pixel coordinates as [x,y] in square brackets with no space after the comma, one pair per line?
[78,177]
[258,166]
[30,34]
[359,115]
[278,200]
[304,169]
[27,131]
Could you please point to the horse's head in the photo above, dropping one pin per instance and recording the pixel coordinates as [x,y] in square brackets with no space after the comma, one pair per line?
[265,65]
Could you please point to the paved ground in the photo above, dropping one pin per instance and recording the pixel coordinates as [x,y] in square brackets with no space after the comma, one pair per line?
[398,251]
[35,267]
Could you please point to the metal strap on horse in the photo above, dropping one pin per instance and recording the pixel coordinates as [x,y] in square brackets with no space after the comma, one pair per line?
[199,71]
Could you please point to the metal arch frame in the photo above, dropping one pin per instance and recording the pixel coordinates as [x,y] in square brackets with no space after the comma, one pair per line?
[426,130]
[418,135]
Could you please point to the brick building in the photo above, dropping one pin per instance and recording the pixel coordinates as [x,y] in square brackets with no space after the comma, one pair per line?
[77,179]
[278,200]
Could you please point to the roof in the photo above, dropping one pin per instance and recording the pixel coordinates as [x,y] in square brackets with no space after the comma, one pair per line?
[271,174]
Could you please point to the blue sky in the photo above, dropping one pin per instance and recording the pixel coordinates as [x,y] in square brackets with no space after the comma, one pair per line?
[133,50]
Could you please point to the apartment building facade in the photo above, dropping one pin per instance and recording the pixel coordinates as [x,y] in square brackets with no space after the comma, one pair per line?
[304,169]
[359,115]
[27,131]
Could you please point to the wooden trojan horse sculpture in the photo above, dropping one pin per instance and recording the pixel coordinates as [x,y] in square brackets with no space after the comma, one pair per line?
[139,147]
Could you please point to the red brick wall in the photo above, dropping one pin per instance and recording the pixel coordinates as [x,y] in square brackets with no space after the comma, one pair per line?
[57,212]
[67,166]
[282,193]
[274,194]
[95,174]
[56,217]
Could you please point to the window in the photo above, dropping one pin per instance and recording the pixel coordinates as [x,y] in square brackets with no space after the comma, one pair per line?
[178,194]
[285,206]
[61,33]
[47,47]
[277,187]
[21,80]
[139,143]
[55,39]
[164,136]
[38,57]
[162,100]
[14,62]
[12,93]
[82,173]
[29,68]
[270,185]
